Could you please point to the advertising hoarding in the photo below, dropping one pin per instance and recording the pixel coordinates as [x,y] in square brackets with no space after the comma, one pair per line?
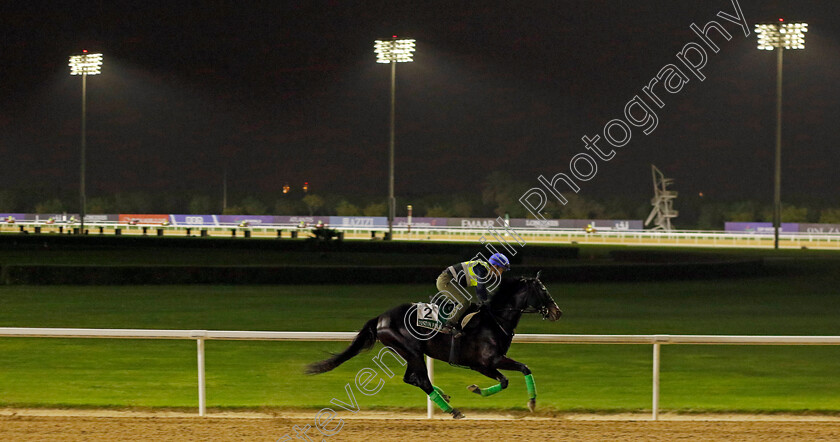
[602,224]
[126,218]
[472,223]
[194,220]
[97,218]
[819,228]
[250,219]
[357,221]
[295,219]
[418,221]
[759,227]
[17,216]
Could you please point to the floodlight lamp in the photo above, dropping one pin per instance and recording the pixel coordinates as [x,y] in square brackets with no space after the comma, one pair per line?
[396,51]
[781,35]
[85,64]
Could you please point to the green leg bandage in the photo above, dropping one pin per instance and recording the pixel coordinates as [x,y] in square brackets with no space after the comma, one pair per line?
[489,391]
[436,398]
[438,390]
[532,389]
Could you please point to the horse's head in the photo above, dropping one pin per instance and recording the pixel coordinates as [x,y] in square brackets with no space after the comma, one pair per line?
[539,299]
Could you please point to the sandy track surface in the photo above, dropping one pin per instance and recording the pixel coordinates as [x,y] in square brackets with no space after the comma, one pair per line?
[114,425]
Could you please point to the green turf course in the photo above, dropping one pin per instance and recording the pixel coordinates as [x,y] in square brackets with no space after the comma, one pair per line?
[149,373]
[198,257]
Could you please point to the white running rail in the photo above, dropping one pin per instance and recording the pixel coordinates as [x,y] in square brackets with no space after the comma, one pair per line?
[682,238]
[201,335]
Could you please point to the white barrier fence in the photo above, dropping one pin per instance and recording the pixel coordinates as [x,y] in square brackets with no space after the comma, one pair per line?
[683,238]
[201,335]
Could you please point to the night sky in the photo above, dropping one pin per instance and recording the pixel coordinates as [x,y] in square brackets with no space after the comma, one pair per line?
[285,92]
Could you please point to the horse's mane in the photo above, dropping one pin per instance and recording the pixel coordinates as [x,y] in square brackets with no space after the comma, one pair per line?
[507,287]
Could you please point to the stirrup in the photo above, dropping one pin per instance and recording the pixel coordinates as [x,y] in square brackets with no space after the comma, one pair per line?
[452,329]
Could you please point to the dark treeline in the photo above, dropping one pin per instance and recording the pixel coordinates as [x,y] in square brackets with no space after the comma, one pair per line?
[498,196]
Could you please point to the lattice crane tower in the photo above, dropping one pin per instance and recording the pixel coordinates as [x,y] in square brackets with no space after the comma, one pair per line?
[662,201]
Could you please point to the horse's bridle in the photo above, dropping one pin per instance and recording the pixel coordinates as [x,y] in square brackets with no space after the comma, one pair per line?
[543,298]
[542,310]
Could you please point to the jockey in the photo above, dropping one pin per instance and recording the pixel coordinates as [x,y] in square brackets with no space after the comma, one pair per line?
[456,279]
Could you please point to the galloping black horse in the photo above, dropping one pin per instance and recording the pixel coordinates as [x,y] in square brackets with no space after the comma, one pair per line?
[482,348]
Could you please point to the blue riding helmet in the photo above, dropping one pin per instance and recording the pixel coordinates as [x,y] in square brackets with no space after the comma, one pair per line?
[500,260]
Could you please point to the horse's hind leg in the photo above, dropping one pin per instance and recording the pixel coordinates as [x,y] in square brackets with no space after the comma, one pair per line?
[506,363]
[415,374]
[491,373]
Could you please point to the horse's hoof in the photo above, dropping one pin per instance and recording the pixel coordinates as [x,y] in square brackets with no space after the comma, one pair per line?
[474,388]
[532,404]
[456,414]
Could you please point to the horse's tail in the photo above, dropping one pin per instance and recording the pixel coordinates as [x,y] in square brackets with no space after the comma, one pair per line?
[363,341]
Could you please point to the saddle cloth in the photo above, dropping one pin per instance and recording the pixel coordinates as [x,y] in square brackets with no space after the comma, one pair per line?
[428,315]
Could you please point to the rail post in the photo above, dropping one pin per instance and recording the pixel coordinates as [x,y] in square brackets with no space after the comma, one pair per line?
[430,369]
[202,393]
[655,406]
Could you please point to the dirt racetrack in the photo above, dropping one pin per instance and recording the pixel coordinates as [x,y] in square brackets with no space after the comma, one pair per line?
[81,425]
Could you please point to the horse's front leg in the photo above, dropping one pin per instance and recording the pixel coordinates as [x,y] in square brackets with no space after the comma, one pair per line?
[415,374]
[491,373]
[506,363]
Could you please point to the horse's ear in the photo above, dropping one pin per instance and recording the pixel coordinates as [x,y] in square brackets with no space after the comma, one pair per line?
[538,274]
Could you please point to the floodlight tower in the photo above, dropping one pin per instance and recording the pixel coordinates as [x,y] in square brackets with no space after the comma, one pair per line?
[779,36]
[393,51]
[84,65]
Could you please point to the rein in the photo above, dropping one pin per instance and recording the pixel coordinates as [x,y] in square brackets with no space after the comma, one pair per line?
[496,320]
[528,309]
